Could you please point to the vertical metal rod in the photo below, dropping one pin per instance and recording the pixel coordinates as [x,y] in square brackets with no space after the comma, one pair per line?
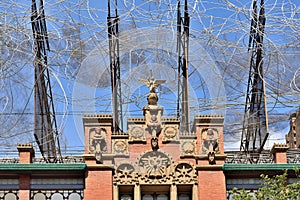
[183,75]
[45,126]
[255,124]
[185,69]
[179,59]
[113,33]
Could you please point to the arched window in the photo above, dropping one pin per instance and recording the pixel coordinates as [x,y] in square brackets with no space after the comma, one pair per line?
[126,197]
[162,197]
[155,196]
[10,196]
[74,196]
[39,196]
[57,196]
[184,197]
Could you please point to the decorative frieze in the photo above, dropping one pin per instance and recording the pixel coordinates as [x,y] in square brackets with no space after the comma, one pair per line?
[155,167]
[154,164]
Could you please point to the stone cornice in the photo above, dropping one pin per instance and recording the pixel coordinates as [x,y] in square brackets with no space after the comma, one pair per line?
[209,167]
[279,148]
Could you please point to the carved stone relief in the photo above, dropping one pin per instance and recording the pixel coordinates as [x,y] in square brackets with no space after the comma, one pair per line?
[155,167]
[185,173]
[153,112]
[120,147]
[170,133]
[210,141]
[136,133]
[153,115]
[154,164]
[98,142]
[125,174]
[188,147]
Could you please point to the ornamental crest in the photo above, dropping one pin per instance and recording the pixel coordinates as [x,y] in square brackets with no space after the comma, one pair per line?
[154,164]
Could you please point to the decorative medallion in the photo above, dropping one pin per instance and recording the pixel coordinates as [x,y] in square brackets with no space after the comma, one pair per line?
[184,173]
[154,164]
[125,174]
[137,133]
[188,147]
[120,146]
[170,133]
[210,141]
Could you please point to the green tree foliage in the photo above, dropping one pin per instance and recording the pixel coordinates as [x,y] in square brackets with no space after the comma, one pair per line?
[274,188]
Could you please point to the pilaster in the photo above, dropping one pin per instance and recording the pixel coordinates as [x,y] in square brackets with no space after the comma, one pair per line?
[279,153]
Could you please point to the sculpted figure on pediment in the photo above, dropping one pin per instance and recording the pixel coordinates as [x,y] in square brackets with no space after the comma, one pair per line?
[152,111]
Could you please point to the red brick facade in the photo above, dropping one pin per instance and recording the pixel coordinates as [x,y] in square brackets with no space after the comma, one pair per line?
[206,181]
[183,163]
[119,164]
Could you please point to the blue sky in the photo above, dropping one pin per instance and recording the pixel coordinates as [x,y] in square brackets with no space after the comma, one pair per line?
[219,31]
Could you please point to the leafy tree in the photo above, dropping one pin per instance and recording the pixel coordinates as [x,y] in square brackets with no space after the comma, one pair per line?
[275,188]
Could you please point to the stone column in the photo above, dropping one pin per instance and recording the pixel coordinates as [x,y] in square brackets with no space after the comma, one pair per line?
[26,154]
[116,192]
[173,192]
[137,192]
[195,192]
[24,191]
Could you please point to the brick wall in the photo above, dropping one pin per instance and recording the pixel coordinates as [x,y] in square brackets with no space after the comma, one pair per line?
[24,191]
[98,185]
[211,185]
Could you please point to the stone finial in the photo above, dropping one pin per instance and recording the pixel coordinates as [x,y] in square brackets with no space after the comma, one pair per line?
[152,83]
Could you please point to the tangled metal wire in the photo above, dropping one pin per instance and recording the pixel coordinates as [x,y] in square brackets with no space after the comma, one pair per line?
[77,32]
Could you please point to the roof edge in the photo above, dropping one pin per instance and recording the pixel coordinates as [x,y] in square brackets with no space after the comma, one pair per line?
[255,167]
